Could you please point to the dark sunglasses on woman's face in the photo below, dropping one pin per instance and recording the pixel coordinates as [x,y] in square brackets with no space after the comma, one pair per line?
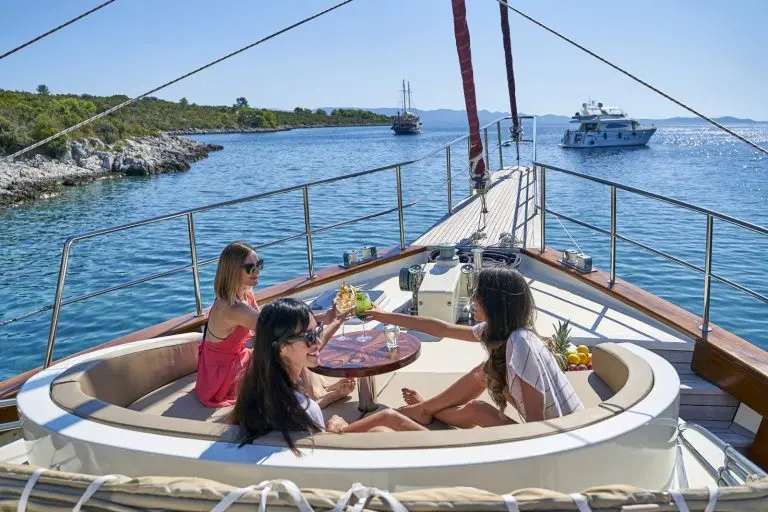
[252,268]
[310,337]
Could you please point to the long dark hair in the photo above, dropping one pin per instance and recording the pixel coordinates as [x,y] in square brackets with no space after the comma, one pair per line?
[267,399]
[506,298]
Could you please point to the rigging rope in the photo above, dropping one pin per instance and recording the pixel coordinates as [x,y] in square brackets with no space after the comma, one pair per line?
[41,36]
[171,82]
[636,79]
[546,205]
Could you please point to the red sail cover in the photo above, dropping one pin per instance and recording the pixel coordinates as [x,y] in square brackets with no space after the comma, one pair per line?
[477,172]
[510,71]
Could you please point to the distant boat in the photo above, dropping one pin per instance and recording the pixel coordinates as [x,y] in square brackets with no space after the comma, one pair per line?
[406,122]
[603,127]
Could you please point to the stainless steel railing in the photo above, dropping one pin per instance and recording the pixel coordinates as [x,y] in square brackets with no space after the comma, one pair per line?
[736,468]
[307,232]
[711,215]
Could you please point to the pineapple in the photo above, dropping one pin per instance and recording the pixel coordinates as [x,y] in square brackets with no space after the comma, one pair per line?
[560,342]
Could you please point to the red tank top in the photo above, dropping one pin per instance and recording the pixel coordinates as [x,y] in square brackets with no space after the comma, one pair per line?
[222,365]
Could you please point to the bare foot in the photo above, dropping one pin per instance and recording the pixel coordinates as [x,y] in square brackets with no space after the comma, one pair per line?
[337,391]
[411,396]
[336,424]
[336,385]
[415,410]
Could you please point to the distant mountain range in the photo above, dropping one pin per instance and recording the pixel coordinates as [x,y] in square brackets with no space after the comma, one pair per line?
[456,117]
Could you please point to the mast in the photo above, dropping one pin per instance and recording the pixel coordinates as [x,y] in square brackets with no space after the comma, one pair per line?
[404,104]
[409,96]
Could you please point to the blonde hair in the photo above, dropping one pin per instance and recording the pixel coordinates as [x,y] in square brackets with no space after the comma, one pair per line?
[226,284]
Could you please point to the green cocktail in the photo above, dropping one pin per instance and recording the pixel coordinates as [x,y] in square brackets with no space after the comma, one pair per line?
[362,305]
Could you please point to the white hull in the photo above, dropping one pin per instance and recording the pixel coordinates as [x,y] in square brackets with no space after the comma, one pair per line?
[606,138]
[621,448]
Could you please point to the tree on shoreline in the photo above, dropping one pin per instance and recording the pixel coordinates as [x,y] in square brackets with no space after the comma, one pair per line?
[42,89]
[241,102]
[27,117]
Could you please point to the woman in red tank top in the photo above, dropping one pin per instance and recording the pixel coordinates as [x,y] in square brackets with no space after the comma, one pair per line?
[223,354]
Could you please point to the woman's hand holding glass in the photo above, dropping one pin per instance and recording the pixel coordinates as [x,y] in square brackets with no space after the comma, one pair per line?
[339,311]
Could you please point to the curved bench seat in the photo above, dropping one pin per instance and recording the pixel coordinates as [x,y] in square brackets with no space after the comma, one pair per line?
[155,395]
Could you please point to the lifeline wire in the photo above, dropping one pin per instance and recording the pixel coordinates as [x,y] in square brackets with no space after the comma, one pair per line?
[636,79]
[166,84]
[46,34]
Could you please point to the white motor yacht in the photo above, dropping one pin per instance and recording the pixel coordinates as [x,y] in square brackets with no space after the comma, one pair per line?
[605,127]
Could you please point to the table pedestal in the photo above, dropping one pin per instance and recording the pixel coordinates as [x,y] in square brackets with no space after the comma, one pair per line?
[366,394]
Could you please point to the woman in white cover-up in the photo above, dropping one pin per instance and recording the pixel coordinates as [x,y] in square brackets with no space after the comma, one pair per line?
[520,370]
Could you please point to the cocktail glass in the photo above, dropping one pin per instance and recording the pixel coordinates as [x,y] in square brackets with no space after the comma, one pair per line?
[344,301]
[362,305]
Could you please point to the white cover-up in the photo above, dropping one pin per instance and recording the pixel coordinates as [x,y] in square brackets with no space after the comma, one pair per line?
[529,360]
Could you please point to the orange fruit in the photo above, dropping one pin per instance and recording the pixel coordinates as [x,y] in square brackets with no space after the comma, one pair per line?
[582,349]
[574,359]
[583,358]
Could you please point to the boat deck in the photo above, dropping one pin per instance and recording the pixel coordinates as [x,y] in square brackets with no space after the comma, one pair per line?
[511,209]
[511,204]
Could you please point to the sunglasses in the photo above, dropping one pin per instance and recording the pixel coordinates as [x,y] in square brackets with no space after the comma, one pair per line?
[252,268]
[310,337]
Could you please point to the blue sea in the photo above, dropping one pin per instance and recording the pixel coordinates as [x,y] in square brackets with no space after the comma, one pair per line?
[697,164]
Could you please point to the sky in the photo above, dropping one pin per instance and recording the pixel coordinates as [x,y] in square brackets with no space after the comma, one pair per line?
[707,53]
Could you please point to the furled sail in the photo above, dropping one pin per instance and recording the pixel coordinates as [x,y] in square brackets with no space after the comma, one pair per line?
[477,172]
[516,131]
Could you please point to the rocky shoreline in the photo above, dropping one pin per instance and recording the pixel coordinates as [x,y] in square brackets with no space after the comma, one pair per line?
[214,131]
[87,160]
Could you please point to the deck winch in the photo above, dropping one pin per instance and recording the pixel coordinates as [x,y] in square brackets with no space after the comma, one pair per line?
[577,260]
[441,288]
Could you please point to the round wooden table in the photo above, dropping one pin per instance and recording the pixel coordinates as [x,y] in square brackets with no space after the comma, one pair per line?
[342,357]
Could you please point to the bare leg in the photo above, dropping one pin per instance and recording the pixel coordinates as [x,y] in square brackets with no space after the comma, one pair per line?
[388,418]
[381,429]
[467,388]
[475,413]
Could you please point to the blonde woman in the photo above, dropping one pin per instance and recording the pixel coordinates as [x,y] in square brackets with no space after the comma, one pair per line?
[223,354]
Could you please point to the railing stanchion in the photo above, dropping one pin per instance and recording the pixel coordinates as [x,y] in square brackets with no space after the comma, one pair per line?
[501,156]
[707,277]
[195,272]
[400,208]
[469,163]
[448,172]
[57,304]
[308,233]
[487,152]
[613,235]
[543,208]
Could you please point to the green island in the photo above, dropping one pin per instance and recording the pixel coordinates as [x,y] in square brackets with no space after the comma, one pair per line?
[141,139]
[27,117]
